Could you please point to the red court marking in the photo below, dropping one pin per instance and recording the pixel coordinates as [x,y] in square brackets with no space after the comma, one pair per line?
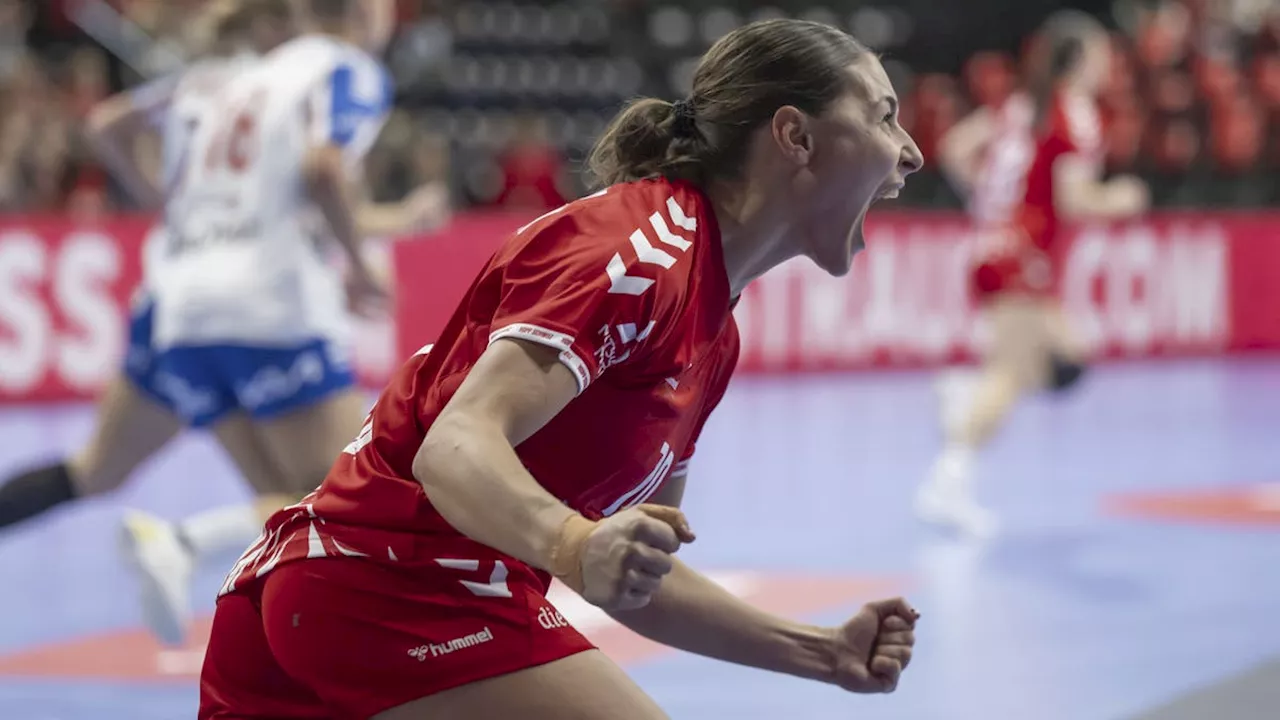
[133,655]
[1250,505]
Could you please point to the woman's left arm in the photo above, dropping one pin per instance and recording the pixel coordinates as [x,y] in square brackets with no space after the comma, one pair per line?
[693,613]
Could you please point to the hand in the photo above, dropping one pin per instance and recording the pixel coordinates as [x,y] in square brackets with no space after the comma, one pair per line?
[1132,193]
[874,646]
[366,295]
[626,556]
[426,207]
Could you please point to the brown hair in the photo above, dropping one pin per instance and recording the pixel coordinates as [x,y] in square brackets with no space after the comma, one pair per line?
[1060,49]
[739,84]
[237,24]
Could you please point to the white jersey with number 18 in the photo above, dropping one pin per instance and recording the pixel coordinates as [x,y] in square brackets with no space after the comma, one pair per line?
[241,266]
[173,105]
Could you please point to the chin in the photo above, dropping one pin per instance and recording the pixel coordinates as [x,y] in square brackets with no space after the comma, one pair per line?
[839,261]
[834,254]
[835,267]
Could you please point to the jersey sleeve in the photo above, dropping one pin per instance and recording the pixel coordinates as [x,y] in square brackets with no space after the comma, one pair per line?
[1082,126]
[584,295]
[153,97]
[350,105]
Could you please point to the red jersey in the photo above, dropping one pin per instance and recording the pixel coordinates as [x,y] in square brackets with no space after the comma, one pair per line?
[629,285]
[1012,201]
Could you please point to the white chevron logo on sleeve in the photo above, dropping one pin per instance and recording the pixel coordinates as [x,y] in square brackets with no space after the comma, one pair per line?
[665,234]
[620,283]
[678,217]
[627,331]
[649,254]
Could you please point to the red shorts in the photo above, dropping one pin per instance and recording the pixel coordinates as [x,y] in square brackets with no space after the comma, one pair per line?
[346,637]
[1026,271]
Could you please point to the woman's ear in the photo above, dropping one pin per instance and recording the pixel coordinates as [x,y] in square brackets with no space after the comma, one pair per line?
[793,134]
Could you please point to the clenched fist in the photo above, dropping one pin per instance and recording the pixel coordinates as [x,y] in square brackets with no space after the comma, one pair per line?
[626,556]
[874,646]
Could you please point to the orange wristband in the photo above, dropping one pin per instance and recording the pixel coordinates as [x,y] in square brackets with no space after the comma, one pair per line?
[566,556]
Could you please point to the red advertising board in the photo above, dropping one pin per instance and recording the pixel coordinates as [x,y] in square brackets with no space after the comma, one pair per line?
[1170,285]
[1173,284]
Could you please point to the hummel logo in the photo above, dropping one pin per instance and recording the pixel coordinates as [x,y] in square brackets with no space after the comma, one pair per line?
[466,641]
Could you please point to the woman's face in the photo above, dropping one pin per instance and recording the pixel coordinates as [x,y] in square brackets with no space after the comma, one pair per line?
[1095,62]
[860,154]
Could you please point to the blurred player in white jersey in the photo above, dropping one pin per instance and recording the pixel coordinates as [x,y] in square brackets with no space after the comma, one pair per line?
[140,411]
[135,419]
[251,316]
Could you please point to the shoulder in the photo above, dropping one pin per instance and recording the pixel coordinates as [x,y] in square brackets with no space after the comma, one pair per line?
[1078,121]
[352,73]
[632,239]
[1019,110]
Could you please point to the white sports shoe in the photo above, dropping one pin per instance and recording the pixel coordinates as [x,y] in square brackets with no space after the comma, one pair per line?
[946,497]
[164,568]
[954,512]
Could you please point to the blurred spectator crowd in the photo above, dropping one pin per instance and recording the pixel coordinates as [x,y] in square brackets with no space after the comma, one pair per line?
[503,98]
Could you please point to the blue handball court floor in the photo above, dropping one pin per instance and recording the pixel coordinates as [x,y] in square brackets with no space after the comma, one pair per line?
[1137,574]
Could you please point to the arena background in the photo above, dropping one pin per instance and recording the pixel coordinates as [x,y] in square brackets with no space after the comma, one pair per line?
[1137,577]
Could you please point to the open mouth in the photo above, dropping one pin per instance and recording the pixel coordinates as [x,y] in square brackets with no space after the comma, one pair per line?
[889,191]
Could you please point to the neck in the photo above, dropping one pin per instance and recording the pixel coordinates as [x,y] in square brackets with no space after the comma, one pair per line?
[1075,84]
[752,230]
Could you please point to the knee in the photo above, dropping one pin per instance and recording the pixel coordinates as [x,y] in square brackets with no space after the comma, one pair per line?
[89,475]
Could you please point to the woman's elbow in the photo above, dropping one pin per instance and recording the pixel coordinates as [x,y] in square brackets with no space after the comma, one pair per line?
[440,442]
[444,449]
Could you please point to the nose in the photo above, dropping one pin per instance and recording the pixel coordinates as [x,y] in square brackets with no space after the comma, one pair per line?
[912,159]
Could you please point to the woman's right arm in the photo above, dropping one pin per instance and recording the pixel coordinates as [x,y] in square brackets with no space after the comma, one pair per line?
[960,149]
[112,128]
[467,462]
[1080,194]
[468,466]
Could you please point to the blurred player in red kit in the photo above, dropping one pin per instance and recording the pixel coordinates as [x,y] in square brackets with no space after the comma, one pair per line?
[548,431]
[1025,167]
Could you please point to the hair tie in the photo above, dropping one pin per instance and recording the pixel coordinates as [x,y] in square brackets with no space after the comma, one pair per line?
[684,124]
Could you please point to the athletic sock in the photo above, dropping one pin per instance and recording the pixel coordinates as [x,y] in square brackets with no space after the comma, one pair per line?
[35,492]
[232,527]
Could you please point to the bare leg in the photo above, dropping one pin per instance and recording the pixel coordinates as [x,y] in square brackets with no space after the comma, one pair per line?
[235,527]
[303,444]
[282,459]
[1015,363]
[130,428]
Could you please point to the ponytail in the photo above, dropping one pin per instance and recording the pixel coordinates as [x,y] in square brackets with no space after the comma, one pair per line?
[1061,48]
[738,86]
[1062,56]
[649,138]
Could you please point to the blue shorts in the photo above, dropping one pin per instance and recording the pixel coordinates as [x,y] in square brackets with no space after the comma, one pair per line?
[203,383]
[140,355]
